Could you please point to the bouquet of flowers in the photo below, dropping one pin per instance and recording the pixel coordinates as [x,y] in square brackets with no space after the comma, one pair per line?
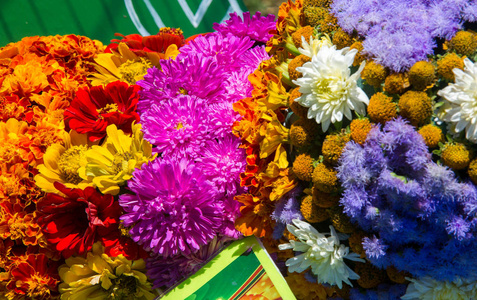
[118,164]
[360,139]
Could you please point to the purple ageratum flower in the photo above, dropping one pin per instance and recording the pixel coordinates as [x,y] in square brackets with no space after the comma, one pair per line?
[222,162]
[167,271]
[287,209]
[192,74]
[416,210]
[179,127]
[256,28]
[399,33]
[173,210]
[226,49]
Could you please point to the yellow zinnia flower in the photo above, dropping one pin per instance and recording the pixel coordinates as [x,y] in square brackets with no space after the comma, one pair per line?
[61,163]
[109,166]
[99,276]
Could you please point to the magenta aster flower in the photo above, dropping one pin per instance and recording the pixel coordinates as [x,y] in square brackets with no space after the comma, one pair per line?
[257,28]
[226,49]
[222,117]
[165,272]
[192,74]
[223,161]
[174,209]
[179,127]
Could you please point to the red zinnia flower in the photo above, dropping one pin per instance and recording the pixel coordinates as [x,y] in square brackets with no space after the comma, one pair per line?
[75,222]
[35,277]
[152,43]
[93,109]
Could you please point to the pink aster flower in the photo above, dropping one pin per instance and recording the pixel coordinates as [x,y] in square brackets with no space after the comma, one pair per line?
[179,127]
[257,28]
[173,210]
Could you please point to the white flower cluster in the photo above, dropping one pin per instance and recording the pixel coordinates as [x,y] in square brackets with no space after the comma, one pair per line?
[325,255]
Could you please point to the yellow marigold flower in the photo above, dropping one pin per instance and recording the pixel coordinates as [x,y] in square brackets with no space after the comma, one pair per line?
[432,135]
[397,276]
[447,64]
[303,167]
[359,57]
[324,178]
[295,63]
[381,108]
[61,163]
[369,276]
[356,243]
[472,171]
[416,107]
[421,75]
[323,199]
[274,134]
[359,130]
[396,83]
[333,147]
[303,132]
[276,95]
[456,156]
[305,32]
[340,220]
[314,15]
[296,107]
[464,43]
[312,212]
[374,74]
[109,166]
[341,39]
[303,289]
[99,276]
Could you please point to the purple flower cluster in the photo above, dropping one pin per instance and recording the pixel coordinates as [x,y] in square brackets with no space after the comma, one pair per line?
[417,215]
[183,200]
[399,33]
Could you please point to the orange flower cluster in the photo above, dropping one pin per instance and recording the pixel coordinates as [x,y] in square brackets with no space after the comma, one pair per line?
[268,173]
[39,76]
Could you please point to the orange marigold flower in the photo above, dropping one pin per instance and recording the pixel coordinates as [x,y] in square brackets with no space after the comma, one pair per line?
[312,212]
[26,79]
[14,144]
[42,136]
[447,64]
[274,134]
[464,43]
[303,167]
[374,74]
[456,156]
[324,178]
[295,63]
[17,186]
[305,32]
[432,135]
[416,107]
[381,108]
[359,130]
[35,277]
[422,75]
[333,146]
[396,83]
[19,225]
[254,216]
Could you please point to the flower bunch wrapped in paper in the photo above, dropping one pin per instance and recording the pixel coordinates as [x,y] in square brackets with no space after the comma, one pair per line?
[118,164]
[360,139]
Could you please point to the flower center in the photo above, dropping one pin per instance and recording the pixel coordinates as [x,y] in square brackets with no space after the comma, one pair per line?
[38,286]
[124,287]
[132,71]
[109,108]
[179,125]
[331,89]
[120,162]
[183,91]
[261,209]
[69,163]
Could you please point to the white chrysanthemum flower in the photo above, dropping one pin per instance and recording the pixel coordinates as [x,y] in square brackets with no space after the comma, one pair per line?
[460,101]
[428,288]
[328,88]
[323,254]
[312,48]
